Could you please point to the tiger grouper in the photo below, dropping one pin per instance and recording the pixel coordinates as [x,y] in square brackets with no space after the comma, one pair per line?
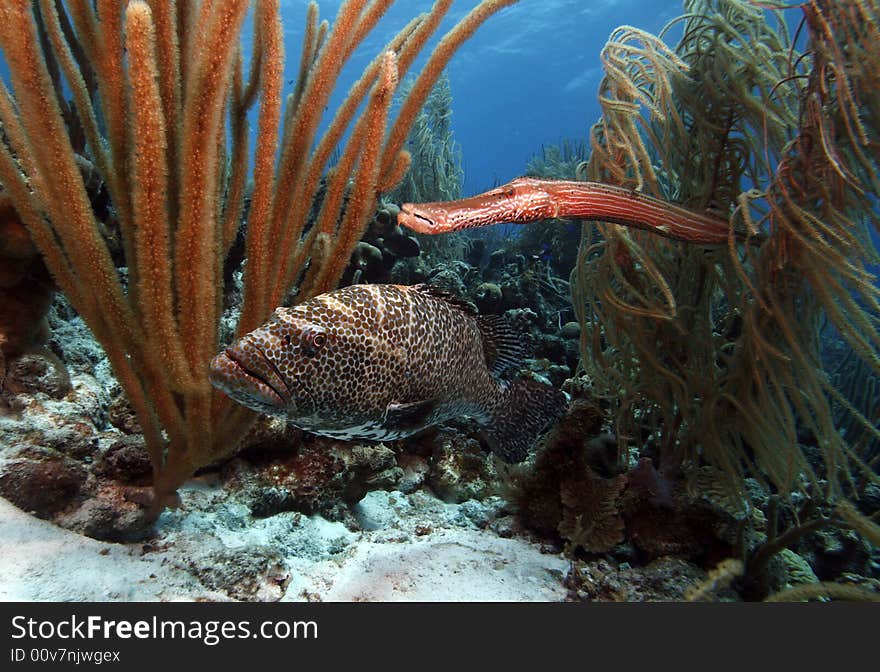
[381,362]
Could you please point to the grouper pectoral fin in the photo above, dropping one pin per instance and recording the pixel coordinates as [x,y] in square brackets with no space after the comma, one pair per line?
[409,416]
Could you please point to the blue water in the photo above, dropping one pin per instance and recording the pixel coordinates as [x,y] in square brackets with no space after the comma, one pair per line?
[528,77]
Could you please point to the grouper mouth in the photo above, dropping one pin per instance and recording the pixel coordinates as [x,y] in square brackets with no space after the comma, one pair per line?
[245,373]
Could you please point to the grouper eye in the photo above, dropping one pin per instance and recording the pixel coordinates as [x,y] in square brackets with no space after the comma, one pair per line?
[313,340]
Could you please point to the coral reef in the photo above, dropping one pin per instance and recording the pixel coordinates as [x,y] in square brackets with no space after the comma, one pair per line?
[721,440]
[546,493]
[178,184]
[712,352]
[311,476]
[73,455]
[591,520]
[460,470]
[663,580]
[382,246]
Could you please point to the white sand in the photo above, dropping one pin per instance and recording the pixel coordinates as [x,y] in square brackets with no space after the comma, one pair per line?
[416,549]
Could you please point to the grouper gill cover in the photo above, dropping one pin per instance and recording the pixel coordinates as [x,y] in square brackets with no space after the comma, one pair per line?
[381,362]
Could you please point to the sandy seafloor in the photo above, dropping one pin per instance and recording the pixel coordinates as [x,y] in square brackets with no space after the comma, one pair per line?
[412,548]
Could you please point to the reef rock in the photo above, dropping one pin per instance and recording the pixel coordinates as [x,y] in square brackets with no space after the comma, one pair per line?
[318,476]
[460,470]
[42,487]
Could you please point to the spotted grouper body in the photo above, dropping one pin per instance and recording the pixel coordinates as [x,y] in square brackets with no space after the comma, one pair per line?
[381,362]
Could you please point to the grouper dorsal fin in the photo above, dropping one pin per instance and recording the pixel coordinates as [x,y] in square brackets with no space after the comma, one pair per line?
[452,299]
[503,346]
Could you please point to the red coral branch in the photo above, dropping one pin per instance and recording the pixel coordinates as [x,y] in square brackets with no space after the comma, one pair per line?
[527,200]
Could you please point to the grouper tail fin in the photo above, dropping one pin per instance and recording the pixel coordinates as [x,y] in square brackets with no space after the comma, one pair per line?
[528,407]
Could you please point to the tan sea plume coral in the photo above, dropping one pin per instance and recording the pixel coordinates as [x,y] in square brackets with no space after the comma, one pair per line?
[717,350]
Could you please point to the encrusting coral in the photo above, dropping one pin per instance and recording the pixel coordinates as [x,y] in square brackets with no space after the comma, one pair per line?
[563,495]
[161,97]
